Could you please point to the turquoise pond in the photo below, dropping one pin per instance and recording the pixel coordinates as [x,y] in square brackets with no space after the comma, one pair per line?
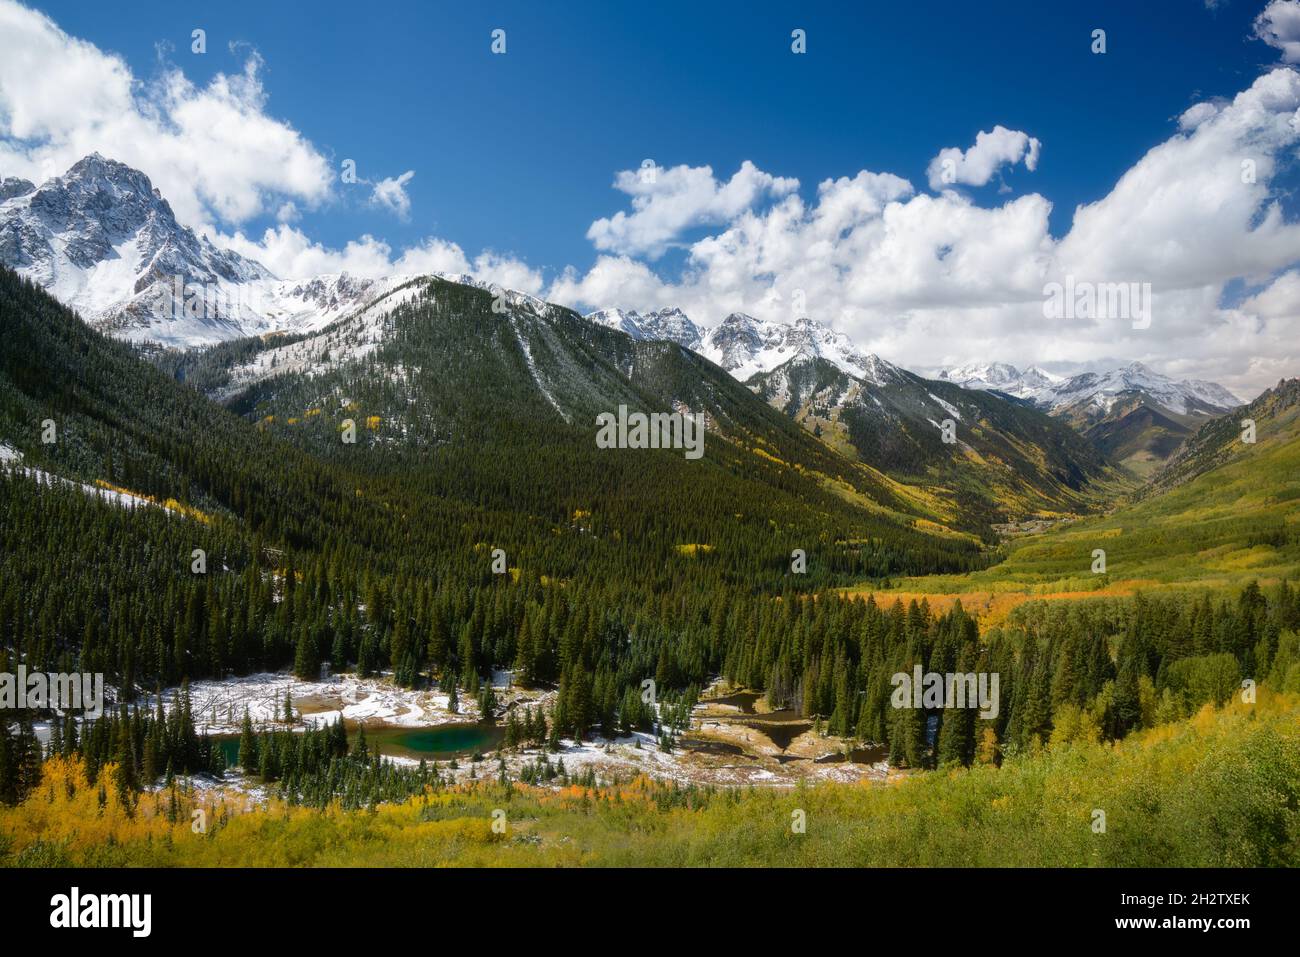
[439,743]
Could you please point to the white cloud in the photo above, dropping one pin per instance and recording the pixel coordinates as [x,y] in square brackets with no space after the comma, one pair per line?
[1279,26]
[290,254]
[1280,299]
[925,280]
[390,194]
[667,201]
[932,280]
[213,150]
[1197,114]
[977,165]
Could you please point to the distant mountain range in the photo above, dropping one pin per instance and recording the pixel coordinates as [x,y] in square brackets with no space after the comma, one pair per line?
[104,241]
[1133,414]
[745,346]
[663,325]
[1098,392]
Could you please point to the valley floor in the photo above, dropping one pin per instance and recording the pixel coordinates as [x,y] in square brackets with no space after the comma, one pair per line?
[727,743]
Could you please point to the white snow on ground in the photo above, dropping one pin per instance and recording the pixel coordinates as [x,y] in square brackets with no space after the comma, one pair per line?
[41,477]
[345,341]
[532,367]
[947,407]
[218,706]
[623,758]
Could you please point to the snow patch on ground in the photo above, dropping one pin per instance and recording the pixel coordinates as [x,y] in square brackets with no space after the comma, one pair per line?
[343,342]
[947,406]
[112,496]
[532,367]
[219,706]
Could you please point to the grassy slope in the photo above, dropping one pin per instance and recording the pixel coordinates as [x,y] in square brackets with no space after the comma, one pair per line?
[1237,522]
[1221,789]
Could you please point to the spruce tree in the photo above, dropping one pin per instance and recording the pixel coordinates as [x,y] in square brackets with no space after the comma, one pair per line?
[248,746]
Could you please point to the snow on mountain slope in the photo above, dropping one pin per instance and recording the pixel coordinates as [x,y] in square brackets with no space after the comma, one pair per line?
[102,240]
[1033,383]
[332,346]
[1095,393]
[1101,391]
[11,461]
[670,325]
[105,242]
[308,305]
[744,346]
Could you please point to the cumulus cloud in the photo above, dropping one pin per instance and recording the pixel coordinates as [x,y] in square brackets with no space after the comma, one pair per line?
[390,194]
[289,253]
[925,279]
[977,165]
[213,150]
[667,201]
[1197,114]
[932,280]
[1279,26]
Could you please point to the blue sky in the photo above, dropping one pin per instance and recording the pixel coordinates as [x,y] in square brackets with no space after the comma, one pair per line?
[517,152]
[787,183]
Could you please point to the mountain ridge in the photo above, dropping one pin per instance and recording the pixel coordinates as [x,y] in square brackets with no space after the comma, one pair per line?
[105,241]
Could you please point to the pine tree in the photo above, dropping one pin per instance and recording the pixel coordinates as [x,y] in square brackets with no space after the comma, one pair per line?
[487,703]
[306,665]
[248,759]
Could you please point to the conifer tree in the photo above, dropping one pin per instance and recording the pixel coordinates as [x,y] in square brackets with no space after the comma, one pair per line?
[248,759]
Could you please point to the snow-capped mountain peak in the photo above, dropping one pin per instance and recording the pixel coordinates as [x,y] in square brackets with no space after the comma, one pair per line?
[1033,383]
[745,346]
[1096,391]
[104,241]
[671,325]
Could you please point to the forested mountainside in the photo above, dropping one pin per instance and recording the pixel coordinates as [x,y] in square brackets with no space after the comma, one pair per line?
[1223,513]
[433,366]
[1003,460]
[310,560]
[379,564]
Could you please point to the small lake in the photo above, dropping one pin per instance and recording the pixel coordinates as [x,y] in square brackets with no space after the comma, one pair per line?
[439,743]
